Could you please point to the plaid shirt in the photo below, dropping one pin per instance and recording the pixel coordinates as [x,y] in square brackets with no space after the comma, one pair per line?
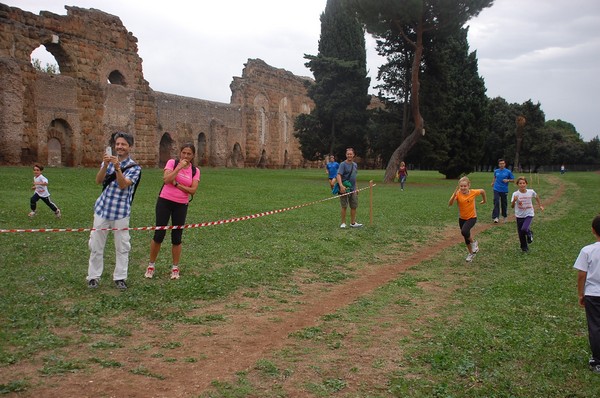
[115,203]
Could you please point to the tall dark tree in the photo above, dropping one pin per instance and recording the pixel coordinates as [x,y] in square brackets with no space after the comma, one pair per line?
[568,144]
[340,90]
[454,102]
[591,153]
[500,128]
[536,147]
[409,20]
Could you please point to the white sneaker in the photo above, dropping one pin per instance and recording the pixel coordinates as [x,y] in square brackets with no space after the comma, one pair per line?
[175,273]
[356,225]
[475,247]
[343,225]
[496,220]
[31,214]
[149,272]
[57,213]
[470,257]
[503,220]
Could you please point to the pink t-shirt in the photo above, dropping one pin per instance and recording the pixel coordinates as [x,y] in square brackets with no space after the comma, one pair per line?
[184,177]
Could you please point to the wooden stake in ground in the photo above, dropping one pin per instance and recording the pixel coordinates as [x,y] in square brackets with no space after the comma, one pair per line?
[370,202]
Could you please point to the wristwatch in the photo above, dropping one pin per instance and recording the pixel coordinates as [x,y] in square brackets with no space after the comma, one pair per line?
[176,183]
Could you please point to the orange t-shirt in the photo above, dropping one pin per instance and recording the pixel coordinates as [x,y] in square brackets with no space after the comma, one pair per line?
[466,204]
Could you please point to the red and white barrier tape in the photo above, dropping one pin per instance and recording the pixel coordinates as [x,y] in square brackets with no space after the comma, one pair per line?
[186,226]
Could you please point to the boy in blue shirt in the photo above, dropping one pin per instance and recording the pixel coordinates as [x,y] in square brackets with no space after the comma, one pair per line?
[502,176]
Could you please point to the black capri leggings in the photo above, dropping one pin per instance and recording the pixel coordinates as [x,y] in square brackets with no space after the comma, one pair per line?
[465,228]
[177,212]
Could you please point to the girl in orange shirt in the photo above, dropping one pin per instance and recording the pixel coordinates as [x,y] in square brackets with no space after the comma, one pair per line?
[465,198]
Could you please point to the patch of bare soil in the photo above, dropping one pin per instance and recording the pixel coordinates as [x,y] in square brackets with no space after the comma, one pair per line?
[255,326]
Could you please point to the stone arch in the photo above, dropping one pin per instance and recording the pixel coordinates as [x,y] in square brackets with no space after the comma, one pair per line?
[115,71]
[237,158]
[286,159]
[201,153]
[116,77]
[262,163]
[66,65]
[59,141]
[165,149]
[46,60]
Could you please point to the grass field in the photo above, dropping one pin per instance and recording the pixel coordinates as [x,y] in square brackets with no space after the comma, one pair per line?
[507,325]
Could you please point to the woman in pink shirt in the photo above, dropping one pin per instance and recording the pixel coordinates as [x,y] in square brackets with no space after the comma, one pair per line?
[181,180]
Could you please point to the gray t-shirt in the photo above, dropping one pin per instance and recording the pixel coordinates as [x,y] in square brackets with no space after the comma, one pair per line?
[348,172]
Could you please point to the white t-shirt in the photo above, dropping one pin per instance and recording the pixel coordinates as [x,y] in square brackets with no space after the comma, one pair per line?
[41,190]
[589,261]
[524,203]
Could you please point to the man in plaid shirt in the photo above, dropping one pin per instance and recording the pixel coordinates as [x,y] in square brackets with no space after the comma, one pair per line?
[112,210]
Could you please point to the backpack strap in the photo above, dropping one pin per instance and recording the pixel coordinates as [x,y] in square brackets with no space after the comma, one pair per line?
[108,178]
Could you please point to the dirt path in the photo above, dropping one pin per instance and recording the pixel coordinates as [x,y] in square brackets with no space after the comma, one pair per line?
[247,335]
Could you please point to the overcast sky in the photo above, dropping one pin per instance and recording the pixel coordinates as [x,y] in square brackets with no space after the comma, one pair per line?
[544,50]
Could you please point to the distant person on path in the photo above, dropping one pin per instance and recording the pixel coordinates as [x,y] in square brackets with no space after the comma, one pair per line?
[347,172]
[181,180]
[40,186]
[118,175]
[522,202]
[588,289]
[502,176]
[331,170]
[402,174]
[465,199]
[562,169]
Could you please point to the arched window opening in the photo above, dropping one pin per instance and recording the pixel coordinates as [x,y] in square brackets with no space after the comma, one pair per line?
[42,60]
[116,77]
[237,160]
[165,149]
[60,144]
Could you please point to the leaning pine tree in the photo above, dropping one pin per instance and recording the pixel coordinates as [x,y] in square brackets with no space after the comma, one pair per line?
[408,20]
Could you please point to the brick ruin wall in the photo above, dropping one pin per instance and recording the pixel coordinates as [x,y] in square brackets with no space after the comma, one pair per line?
[67,119]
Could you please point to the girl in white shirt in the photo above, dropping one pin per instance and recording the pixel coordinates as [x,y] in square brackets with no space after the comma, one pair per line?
[522,202]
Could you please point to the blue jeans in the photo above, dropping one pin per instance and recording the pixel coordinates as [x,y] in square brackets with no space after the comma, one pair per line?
[500,200]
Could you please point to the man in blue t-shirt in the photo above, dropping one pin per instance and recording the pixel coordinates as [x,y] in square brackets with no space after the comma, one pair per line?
[502,176]
[347,173]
